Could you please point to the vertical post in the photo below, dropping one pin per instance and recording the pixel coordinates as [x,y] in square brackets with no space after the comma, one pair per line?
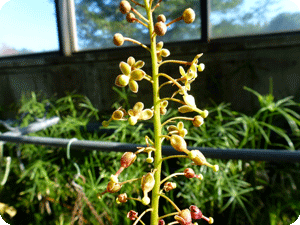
[205,21]
[65,11]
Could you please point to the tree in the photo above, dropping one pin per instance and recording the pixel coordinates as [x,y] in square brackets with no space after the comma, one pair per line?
[284,22]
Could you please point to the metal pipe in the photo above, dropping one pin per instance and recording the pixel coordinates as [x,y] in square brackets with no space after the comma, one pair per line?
[244,154]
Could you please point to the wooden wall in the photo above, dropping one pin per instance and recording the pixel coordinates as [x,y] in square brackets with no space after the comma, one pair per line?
[230,65]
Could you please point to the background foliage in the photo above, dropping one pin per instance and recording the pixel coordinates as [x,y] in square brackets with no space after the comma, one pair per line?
[241,191]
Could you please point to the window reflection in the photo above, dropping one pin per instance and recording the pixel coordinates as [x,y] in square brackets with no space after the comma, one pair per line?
[98,20]
[246,17]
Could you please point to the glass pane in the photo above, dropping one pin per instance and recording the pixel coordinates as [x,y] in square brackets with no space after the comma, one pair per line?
[28,26]
[246,17]
[98,20]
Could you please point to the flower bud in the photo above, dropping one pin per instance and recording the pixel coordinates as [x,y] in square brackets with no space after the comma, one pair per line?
[189,173]
[132,215]
[122,80]
[165,52]
[204,113]
[114,178]
[137,74]
[161,18]
[122,198]
[163,111]
[215,168]
[131,61]
[197,157]
[105,123]
[146,114]
[178,143]
[117,115]
[198,121]
[196,212]
[132,120]
[113,187]
[125,68]
[185,109]
[168,186]
[118,39]
[188,15]
[159,45]
[161,222]
[146,200]
[125,7]
[139,64]
[184,217]
[148,182]
[201,67]
[189,100]
[164,103]
[127,159]
[130,17]
[160,28]
[133,85]
[149,160]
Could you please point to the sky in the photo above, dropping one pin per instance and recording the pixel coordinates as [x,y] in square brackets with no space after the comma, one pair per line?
[28,24]
[31,24]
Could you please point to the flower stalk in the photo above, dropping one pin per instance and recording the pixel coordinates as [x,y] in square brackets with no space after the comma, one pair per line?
[131,74]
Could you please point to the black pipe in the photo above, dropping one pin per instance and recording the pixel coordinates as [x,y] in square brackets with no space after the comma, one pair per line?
[244,154]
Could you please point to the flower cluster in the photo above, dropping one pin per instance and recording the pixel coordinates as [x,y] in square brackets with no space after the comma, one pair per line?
[174,134]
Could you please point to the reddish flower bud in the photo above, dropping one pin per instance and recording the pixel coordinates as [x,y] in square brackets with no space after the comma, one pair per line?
[113,187]
[163,111]
[122,198]
[196,212]
[184,217]
[161,18]
[132,215]
[189,173]
[130,17]
[168,186]
[160,28]
[161,222]
[127,159]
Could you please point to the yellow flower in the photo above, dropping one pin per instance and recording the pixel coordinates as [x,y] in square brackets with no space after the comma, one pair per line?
[180,130]
[161,52]
[131,73]
[139,113]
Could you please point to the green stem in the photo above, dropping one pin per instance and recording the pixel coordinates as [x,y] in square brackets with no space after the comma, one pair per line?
[174,156]
[176,118]
[172,175]
[175,61]
[174,205]
[156,118]
[129,181]
[139,218]
[169,214]
[173,99]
